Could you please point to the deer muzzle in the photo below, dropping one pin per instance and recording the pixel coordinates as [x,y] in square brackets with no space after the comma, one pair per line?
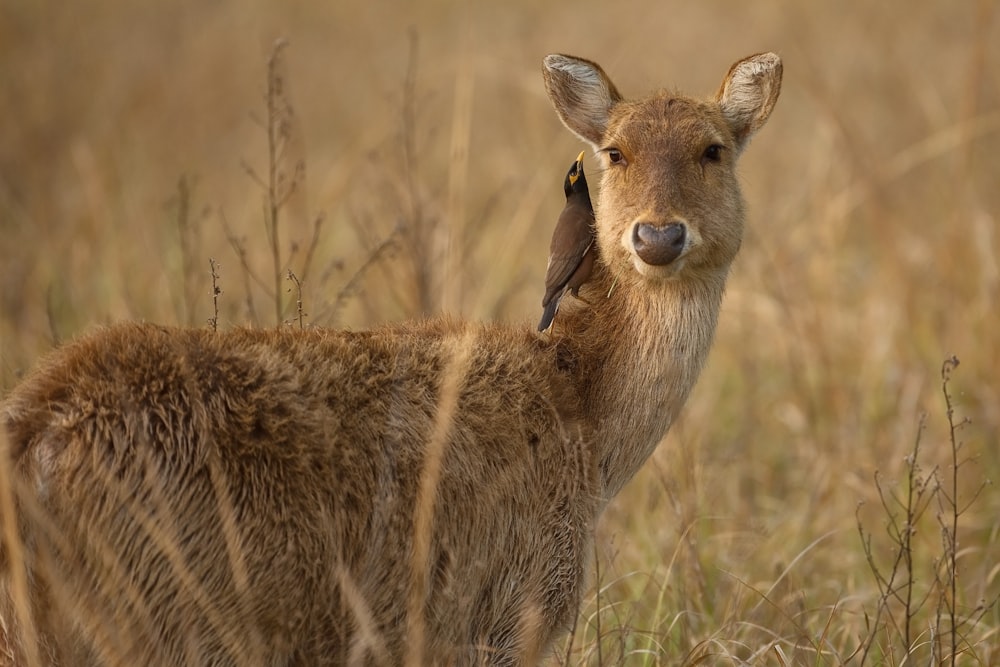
[659,245]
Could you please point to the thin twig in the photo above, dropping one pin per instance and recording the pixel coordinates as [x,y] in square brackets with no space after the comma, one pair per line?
[950,532]
[216,291]
[298,299]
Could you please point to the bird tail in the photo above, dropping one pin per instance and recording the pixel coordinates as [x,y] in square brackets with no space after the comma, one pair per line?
[549,313]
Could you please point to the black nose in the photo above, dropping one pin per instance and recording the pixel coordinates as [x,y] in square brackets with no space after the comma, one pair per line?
[658,246]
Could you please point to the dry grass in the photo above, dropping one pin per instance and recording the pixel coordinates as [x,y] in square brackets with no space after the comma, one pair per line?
[431,182]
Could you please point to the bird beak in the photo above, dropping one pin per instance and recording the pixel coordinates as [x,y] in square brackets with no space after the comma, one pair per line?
[574,173]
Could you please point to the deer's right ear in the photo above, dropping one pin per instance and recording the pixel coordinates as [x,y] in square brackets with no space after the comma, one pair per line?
[582,95]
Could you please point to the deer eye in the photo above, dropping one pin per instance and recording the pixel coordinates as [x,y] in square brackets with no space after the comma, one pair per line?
[615,156]
[712,154]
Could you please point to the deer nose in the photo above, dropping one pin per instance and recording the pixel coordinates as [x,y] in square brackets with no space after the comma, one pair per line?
[658,246]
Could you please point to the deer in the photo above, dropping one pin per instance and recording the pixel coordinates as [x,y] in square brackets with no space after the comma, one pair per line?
[416,493]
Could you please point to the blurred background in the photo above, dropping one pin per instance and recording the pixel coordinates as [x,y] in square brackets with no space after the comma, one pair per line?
[418,167]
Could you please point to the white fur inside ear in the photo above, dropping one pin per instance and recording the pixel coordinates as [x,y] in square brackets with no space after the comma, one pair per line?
[583,72]
[757,65]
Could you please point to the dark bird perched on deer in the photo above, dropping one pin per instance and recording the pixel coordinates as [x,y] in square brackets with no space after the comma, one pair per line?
[571,252]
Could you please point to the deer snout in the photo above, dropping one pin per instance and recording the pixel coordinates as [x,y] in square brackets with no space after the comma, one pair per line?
[659,245]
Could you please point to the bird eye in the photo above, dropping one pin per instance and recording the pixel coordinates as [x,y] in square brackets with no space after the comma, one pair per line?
[712,154]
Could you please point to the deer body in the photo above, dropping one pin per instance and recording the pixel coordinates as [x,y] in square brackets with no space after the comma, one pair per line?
[424,492]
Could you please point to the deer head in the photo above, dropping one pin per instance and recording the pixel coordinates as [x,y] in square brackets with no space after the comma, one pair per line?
[669,203]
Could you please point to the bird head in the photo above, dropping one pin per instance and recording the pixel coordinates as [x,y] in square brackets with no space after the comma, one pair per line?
[576,181]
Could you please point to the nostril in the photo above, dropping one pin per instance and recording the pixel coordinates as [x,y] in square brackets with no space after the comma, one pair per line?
[676,235]
[659,246]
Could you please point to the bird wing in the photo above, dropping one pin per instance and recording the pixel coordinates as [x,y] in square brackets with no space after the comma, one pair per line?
[571,239]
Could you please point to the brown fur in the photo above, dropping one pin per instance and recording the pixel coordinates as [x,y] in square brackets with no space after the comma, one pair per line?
[424,492]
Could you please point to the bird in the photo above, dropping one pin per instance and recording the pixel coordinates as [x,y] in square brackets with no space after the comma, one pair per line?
[572,251]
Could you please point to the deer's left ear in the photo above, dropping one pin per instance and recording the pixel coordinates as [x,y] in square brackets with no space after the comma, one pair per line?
[748,94]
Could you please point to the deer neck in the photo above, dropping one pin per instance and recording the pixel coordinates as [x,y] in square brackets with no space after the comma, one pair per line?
[639,349]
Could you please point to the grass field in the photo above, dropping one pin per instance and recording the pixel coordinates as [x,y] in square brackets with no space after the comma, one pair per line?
[134,149]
